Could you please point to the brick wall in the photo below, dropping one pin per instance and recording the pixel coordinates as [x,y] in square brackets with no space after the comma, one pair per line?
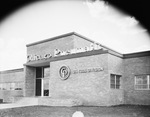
[11,76]
[91,88]
[79,42]
[132,67]
[29,81]
[115,66]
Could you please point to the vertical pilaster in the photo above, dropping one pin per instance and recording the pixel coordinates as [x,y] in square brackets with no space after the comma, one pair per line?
[29,81]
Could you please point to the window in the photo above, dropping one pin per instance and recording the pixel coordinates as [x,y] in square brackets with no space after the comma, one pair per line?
[11,86]
[18,86]
[7,86]
[115,81]
[4,86]
[142,82]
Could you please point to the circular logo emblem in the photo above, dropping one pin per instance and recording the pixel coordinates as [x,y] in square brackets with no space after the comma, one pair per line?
[64,72]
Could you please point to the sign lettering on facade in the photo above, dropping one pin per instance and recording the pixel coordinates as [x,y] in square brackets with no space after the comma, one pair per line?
[65,71]
[38,57]
[87,70]
[57,52]
[93,46]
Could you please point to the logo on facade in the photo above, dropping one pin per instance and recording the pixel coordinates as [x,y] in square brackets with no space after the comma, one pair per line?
[64,72]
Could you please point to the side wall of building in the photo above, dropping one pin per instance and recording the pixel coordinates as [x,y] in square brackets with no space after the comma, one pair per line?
[11,84]
[115,66]
[133,67]
[89,87]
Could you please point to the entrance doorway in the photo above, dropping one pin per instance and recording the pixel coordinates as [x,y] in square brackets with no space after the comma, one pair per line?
[42,81]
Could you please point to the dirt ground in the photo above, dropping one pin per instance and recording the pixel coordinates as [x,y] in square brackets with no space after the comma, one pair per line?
[44,111]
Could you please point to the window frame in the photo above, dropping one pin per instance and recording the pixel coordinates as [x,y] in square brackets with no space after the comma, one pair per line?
[115,84]
[148,82]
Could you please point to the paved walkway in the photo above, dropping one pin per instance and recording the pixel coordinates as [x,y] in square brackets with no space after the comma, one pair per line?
[33,101]
[21,103]
[13,105]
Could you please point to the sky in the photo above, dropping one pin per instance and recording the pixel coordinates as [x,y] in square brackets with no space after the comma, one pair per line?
[41,20]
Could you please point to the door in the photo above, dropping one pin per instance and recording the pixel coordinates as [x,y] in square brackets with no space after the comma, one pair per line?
[42,81]
[38,87]
[38,81]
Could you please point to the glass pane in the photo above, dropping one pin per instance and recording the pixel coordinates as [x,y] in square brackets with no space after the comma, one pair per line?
[118,78]
[7,86]
[46,87]
[20,86]
[46,72]
[16,86]
[138,80]
[4,86]
[118,81]
[38,87]
[46,92]
[112,79]
[38,72]
[142,79]
[12,86]
[112,86]
[117,86]
[145,81]
[145,86]
[141,86]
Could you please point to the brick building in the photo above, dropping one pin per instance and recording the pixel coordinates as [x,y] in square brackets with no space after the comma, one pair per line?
[74,68]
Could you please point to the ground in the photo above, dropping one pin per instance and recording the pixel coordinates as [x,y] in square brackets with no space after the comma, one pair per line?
[44,111]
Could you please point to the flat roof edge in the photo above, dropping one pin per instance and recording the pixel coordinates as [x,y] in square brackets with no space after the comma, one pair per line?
[78,55]
[65,57]
[137,54]
[12,70]
[115,54]
[71,56]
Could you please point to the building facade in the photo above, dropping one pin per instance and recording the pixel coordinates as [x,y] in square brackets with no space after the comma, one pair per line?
[72,66]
